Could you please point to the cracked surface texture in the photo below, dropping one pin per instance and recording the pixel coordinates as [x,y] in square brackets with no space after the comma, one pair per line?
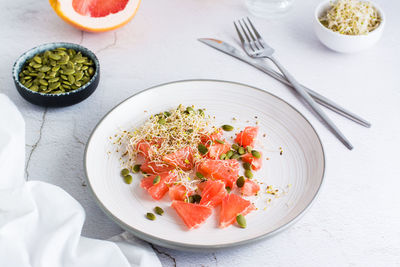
[354,221]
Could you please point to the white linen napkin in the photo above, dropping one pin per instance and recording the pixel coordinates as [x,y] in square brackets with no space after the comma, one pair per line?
[40,224]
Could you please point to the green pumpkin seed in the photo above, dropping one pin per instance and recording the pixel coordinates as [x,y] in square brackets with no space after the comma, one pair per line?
[229,154]
[196,198]
[241,150]
[202,149]
[78,76]
[43,82]
[201,112]
[241,221]
[45,69]
[240,181]
[235,147]
[37,59]
[223,156]
[219,141]
[36,66]
[246,166]
[248,174]
[199,175]
[27,78]
[91,71]
[227,127]
[256,154]
[77,83]
[128,179]
[28,84]
[69,71]
[158,210]
[53,80]
[54,56]
[34,88]
[235,156]
[228,189]
[191,199]
[249,149]
[55,68]
[156,179]
[150,216]
[71,79]
[136,168]
[124,172]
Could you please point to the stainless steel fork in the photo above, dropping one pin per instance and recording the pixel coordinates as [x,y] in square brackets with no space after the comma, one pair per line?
[255,47]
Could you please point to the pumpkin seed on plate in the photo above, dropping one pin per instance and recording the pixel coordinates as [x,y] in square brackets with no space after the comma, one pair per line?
[235,146]
[235,156]
[241,150]
[196,198]
[159,210]
[227,127]
[241,221]
[223,156]
[156,179]
[249,149]
[136,168]
[150,216]
[229,154]
[219,141]
[124,172]
[248,174]
[256,154]
[199,175]
[240,181]
[202,149]
[128,179]
[246,166]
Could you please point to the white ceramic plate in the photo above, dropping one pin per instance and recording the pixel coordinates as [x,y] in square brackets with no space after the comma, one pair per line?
[301,165]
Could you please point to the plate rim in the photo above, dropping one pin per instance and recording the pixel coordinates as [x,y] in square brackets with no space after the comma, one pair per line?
[191,247]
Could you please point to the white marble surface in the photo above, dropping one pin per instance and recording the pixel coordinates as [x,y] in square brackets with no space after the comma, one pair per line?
[356,219]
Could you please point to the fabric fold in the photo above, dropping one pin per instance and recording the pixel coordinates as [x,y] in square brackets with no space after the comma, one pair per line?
[41,224]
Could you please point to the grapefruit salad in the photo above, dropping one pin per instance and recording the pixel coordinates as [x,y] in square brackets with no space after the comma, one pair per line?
[184,157]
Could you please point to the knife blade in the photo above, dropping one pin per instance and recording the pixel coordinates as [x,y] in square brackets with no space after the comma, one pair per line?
[262,66]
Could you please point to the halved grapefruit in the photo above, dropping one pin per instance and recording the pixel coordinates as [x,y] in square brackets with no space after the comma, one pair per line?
[96,15]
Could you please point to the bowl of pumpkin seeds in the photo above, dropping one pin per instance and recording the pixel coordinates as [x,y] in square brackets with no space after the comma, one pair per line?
[56,74]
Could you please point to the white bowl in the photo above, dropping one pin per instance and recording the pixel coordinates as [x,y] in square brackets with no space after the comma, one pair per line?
[346,43]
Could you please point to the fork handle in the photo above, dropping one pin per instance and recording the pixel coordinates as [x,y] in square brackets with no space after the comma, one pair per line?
[312,104]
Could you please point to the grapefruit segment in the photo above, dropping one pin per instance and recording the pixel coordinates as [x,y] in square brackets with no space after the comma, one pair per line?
[157,191]
[155,167]
[207,139]
[233,205]
[247,137]
[250,188]
[213,193]
[217,149]
[183,158]
[224,170]
[179,192]
[96,15]
[256,163]
[193,215]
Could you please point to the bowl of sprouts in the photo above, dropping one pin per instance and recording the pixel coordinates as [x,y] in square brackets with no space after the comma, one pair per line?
[348,26]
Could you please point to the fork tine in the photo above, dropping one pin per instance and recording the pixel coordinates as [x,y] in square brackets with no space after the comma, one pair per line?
[238,32]
[244,31]
[250,33]
[254,29]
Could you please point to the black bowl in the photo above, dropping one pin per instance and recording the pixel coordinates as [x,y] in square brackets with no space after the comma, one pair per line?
[56,100]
